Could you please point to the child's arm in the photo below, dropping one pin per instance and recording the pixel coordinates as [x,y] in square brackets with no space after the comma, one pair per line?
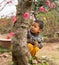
[36,43]
[40,45]
[40,42]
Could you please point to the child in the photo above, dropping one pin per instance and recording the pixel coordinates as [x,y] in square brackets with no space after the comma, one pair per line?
[34,37]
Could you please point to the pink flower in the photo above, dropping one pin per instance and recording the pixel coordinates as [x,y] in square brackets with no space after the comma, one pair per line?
[41,9]
[48,3]
[53,6]
[26,15]
[12,34]
[14,19]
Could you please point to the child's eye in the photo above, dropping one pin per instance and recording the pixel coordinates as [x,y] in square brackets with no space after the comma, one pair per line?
[35,26]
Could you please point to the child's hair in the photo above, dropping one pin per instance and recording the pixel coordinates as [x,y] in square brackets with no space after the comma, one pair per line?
[40,22]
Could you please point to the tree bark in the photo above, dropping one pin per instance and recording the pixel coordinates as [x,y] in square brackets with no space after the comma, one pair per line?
[20,52]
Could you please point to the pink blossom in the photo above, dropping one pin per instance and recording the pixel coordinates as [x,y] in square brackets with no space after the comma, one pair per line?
[26,15]
[14,19]
[41,9]
[11,33]
[48,3]
[53,6]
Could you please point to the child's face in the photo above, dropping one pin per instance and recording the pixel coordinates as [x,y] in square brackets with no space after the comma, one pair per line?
[35,28]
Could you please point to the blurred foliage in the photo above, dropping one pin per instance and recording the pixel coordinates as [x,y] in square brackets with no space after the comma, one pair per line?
[38,3]
[5,25]
[2,49]
[51,21]
[50,18]
[43,61]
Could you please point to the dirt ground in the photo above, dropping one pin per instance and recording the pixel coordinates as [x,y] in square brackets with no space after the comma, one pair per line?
[50,50]
[5,59]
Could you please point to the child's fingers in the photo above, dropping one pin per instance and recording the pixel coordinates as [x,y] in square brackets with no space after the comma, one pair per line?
[36,43]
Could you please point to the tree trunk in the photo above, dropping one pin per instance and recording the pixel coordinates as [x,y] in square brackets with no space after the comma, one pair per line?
[20,53]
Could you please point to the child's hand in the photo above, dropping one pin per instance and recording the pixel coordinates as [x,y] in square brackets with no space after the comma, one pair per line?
[36,44]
